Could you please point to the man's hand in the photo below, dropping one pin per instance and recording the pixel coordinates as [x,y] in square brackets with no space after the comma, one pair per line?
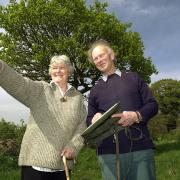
[96,117]
[127,118]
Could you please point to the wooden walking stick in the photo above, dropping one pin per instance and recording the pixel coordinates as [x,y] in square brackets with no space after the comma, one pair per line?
[66,168]
[117,155]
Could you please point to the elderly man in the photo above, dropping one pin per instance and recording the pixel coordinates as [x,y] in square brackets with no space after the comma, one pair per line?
[138,107]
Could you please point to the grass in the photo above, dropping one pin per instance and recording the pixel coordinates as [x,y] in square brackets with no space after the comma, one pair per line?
[87,166]
[168,160]
[167,164]
[10,175]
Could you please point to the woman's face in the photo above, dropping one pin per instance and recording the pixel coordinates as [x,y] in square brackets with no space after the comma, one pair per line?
[59,73]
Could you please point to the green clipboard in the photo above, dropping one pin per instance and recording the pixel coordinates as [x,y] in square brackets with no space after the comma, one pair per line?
[103,127]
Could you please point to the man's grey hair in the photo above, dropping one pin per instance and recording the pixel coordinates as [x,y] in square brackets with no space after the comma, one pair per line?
[100,42]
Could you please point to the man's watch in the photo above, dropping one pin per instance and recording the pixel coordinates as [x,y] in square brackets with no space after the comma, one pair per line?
[139,117]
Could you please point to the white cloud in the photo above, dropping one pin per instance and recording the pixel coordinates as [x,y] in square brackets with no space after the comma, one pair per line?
[166,75]
[3,2]
[11,109]
[158,23]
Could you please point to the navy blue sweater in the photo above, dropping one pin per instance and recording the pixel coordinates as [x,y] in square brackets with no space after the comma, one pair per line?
[134,95]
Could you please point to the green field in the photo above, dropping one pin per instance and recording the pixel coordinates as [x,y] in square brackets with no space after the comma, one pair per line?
[86,168]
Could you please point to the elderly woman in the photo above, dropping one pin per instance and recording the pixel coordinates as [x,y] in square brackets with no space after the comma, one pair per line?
[56,121]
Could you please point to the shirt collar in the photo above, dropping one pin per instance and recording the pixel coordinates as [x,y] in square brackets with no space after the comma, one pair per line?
[68,87]
[105,77]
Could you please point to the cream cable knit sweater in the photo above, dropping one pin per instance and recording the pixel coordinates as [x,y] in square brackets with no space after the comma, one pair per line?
[53,124]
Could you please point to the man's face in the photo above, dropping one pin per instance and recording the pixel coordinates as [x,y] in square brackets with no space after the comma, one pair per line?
[102,59]
[59,73]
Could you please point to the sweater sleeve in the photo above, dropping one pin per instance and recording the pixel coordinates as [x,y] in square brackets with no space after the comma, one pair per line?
[77,141]
[149,104]
[23,89]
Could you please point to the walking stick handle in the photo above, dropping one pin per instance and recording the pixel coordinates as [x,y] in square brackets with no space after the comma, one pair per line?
[66,168]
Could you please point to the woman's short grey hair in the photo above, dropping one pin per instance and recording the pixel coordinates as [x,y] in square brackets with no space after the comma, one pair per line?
[61,59]
[100,42]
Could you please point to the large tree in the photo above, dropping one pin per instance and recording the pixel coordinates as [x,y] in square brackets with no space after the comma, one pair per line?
[167,93]
[35,30]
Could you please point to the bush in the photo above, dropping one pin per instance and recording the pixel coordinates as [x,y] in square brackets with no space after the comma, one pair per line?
[8,162]
[10,140]
[158,126]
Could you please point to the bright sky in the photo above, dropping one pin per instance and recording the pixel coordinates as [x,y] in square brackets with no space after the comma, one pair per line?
[157,21]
